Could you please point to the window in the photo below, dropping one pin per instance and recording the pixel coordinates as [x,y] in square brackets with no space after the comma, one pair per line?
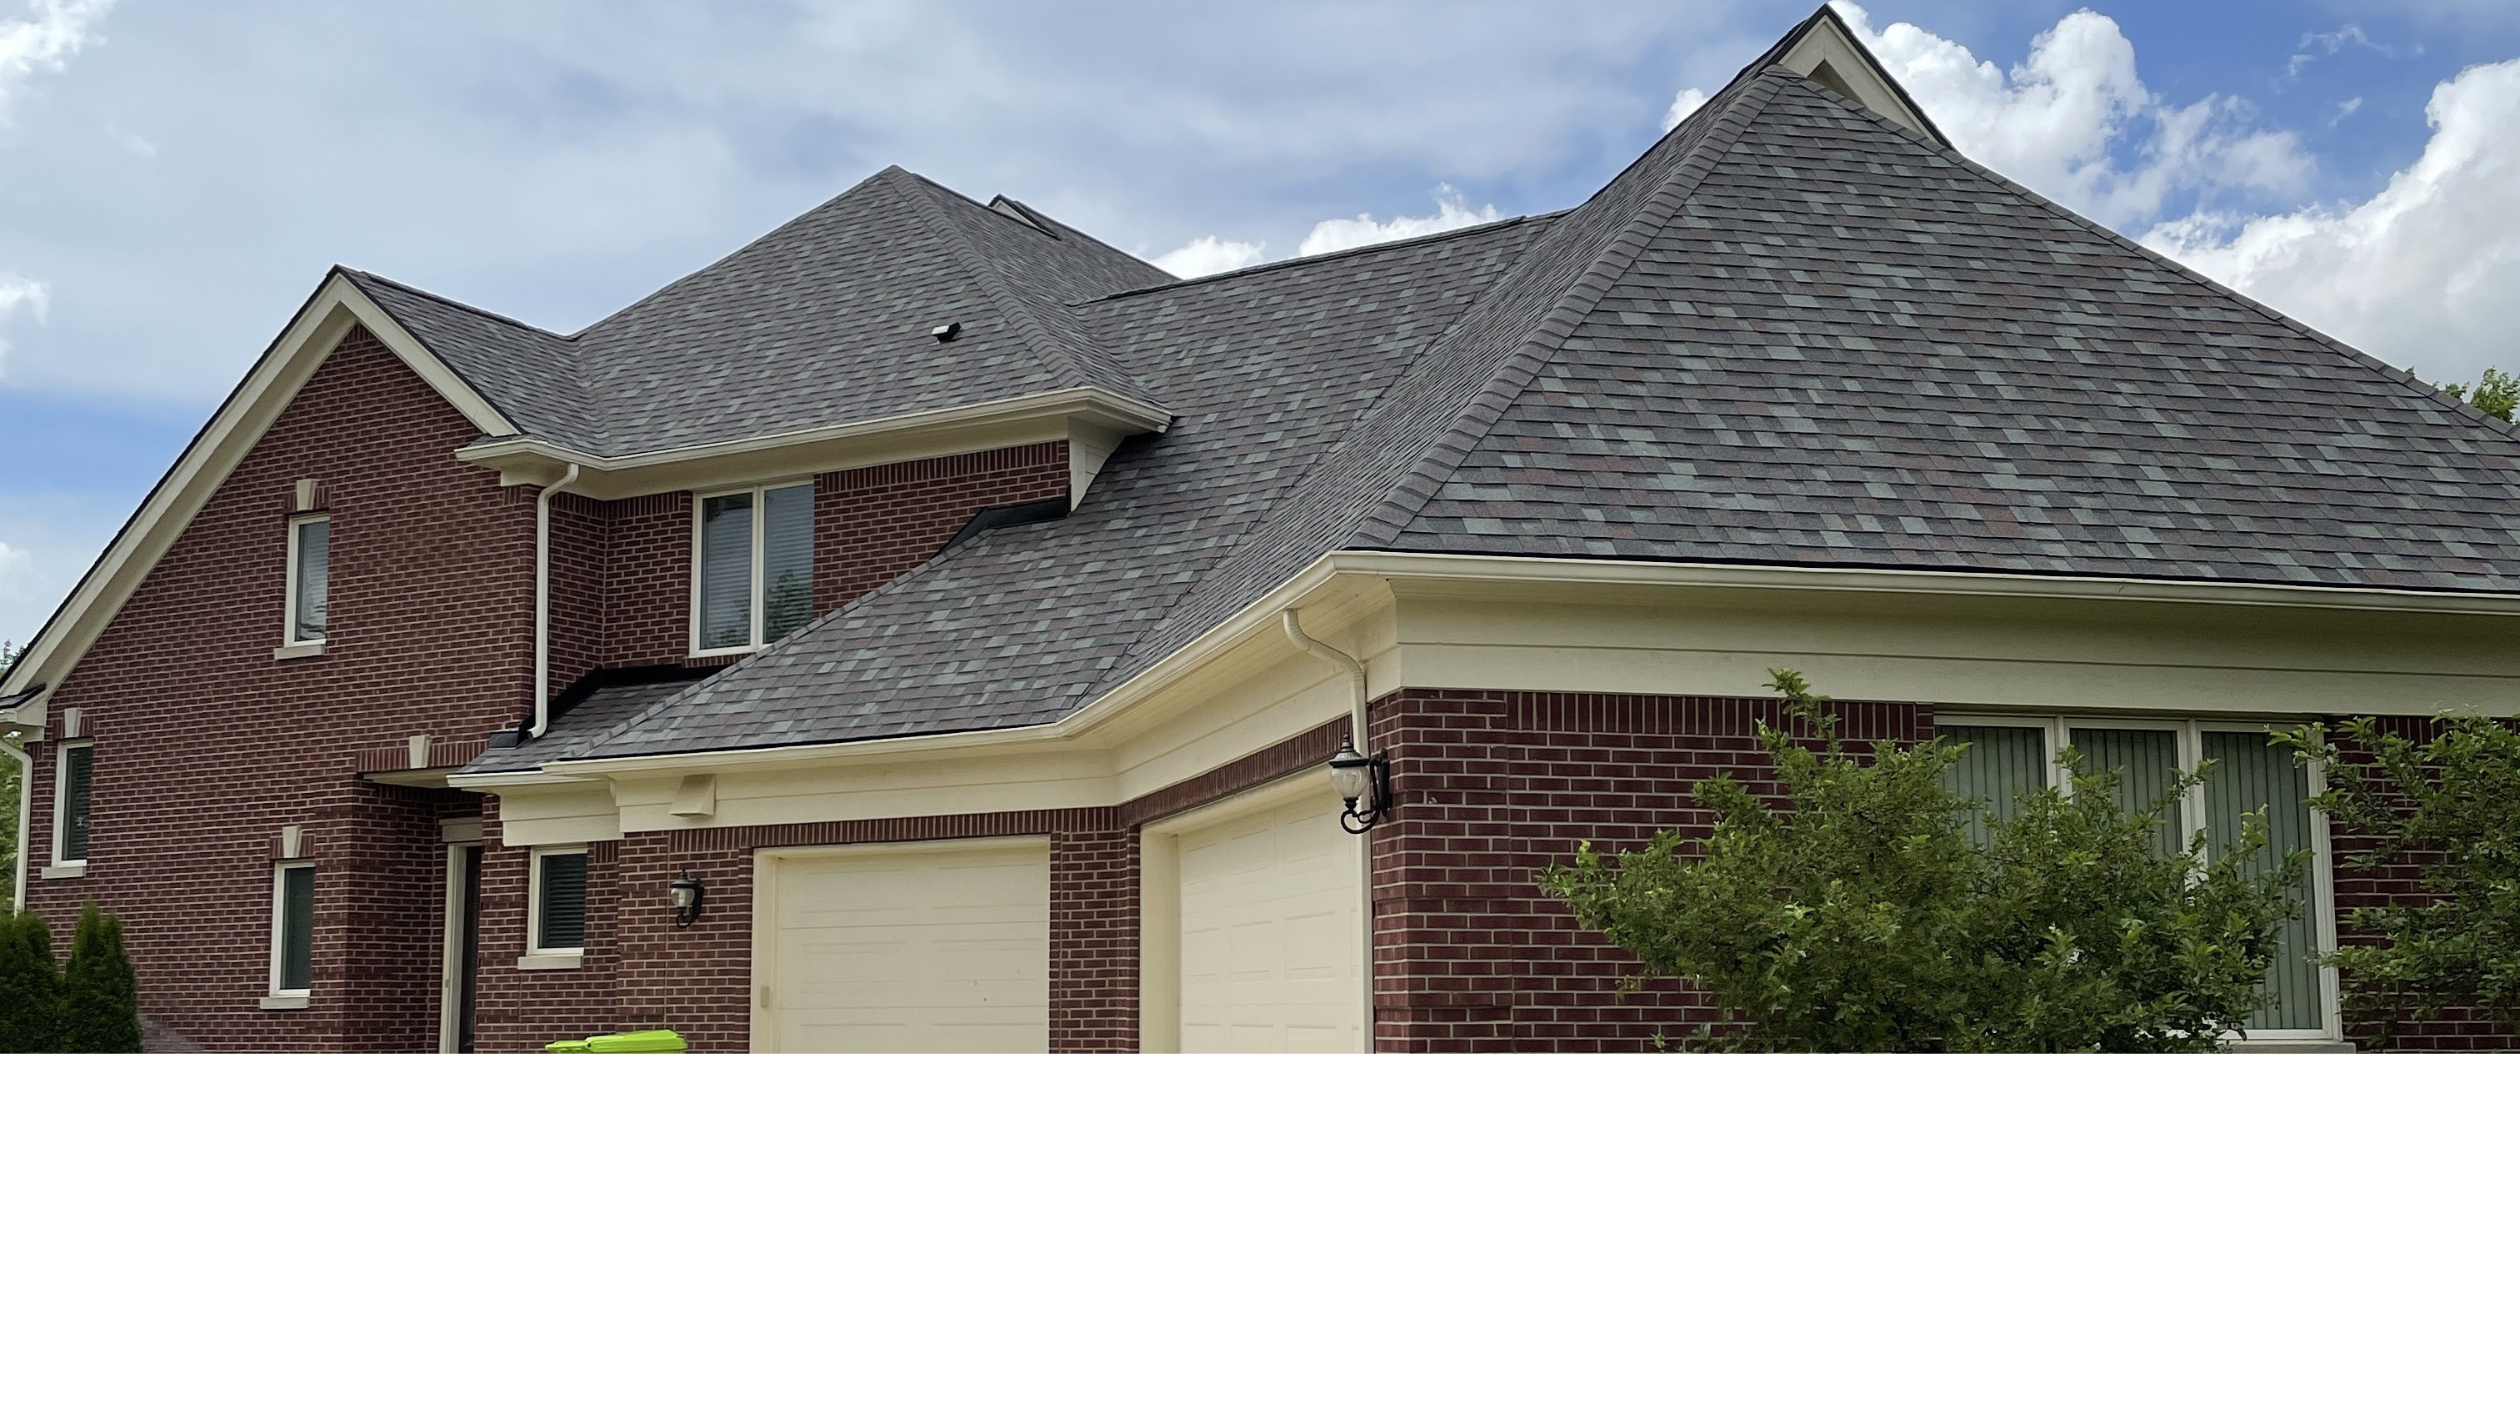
[310,578]
[2009,758]
[293,928]
[71,804]
[753,582]
[559,913]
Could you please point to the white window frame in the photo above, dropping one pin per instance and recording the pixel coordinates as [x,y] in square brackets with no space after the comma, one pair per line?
[70,866]
[760,495]
[2191,735]
[279,996]
[288,612]
[535,957]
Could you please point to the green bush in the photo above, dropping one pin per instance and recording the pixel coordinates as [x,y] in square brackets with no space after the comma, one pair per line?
[30,986]
[100,999]
[1864,917]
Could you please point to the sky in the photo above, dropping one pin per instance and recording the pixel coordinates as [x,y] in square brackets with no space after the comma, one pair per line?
[176,178]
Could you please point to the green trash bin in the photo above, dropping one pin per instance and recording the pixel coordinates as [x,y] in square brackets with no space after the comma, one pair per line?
[645,1041]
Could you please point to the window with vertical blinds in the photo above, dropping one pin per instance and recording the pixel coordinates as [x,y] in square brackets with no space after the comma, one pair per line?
[756,574]
[293,937]
[78,773]
[2250,775]
[310,579]
[560,901]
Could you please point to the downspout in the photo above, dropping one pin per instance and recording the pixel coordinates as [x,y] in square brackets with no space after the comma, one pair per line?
[26,807]
[1365,844]
[542,601]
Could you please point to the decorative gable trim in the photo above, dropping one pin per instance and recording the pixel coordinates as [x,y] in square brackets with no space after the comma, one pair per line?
[336,308]
[1827,53]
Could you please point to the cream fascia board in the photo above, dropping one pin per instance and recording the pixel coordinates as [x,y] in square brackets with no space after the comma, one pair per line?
[1095,417]
[337,307]
[1533,572]
[1829,43]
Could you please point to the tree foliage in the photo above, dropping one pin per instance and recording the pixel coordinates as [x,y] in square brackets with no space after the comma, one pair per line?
[100,998]
[2449,808]
[1863,916]
[2494,392]
[30,986]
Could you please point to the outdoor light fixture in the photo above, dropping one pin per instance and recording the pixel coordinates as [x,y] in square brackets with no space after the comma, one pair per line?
[1364,783]
[685,892]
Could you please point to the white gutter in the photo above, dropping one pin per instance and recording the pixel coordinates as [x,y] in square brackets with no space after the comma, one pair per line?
[1355,672]
[542,601]
[26,806]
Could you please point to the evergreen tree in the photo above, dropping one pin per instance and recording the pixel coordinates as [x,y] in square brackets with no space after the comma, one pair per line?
[100,999]
[30,986]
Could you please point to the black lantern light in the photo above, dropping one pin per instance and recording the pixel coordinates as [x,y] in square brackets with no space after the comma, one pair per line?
[686,893]
[1364,783]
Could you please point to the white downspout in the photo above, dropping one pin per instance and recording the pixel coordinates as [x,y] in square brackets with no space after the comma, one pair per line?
[542,601]
[1365,849]
[26,814]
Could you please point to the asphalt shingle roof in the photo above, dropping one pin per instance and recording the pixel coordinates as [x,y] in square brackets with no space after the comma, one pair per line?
[1791,333]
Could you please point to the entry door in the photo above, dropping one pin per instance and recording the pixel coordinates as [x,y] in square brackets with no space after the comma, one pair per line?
[1272,950]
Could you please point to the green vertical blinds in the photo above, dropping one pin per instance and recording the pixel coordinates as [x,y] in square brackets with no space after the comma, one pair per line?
[2252,775]
[2147,762]
[563,925]
[726,572]
[297,928]
[787,561]
[2001,766]
[78,766]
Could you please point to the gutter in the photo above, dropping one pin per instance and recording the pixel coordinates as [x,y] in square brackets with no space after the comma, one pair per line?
[26,806]
[542,601]
[1294,625]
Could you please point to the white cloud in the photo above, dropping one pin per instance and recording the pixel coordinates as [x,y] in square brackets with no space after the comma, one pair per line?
[18,293]
[1689,101]
[1210,256]
[42,41]
[2059,121]
[2425,273]
[1340,233]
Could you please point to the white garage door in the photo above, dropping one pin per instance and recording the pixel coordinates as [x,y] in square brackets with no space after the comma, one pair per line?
[1271,956]
[940,948]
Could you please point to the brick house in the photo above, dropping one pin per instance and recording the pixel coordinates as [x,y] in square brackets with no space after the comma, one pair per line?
[927,627]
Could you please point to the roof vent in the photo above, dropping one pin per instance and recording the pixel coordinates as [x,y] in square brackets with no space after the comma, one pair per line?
[948,332]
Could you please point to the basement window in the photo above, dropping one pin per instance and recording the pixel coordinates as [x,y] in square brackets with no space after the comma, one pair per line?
[2010,758]
[753,568]
[310,578]
[292,929]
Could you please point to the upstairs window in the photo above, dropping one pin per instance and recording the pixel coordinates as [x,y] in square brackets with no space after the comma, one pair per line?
[755,568]
[70,805]
[292,928]
[310,578]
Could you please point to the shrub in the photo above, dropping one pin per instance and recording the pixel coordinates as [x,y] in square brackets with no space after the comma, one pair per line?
[1864,917]
[30,986]
[100,999]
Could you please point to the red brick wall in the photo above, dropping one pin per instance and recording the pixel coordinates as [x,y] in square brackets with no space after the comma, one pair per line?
[206,746]
[1492,787]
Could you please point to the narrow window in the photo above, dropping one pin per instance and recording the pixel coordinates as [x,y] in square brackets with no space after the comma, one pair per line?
[310,579]
[293,929]
[755,582]
[559,902]
[2002,766]
[70,809]
[2252,775]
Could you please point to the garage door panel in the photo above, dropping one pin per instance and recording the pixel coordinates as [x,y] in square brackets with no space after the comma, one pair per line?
[1271,945]
[934,951]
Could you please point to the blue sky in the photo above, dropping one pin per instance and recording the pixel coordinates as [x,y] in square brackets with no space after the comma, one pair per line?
[175,178]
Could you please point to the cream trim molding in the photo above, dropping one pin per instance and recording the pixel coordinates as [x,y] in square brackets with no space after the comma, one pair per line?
[336,308]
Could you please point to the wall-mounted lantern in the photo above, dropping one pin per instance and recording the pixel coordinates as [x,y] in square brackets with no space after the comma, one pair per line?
[1364,782]
[686,893]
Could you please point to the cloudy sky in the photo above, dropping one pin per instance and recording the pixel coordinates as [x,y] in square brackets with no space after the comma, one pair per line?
[175,177]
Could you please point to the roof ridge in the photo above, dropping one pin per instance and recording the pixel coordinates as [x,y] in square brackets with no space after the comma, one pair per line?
[1442,457]
[1291,262]
[1011,303]
[356,273]
[1045,223]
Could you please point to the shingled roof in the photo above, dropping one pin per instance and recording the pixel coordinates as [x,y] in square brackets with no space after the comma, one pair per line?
[1792,333]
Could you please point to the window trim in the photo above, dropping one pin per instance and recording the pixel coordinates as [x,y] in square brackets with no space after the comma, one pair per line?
[758,617]
[71,866]
[289,638]
[2191,731]
[280,994]
[535,956]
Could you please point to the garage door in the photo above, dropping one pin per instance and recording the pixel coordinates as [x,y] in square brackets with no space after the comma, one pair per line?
[904,950]
[1271,957]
